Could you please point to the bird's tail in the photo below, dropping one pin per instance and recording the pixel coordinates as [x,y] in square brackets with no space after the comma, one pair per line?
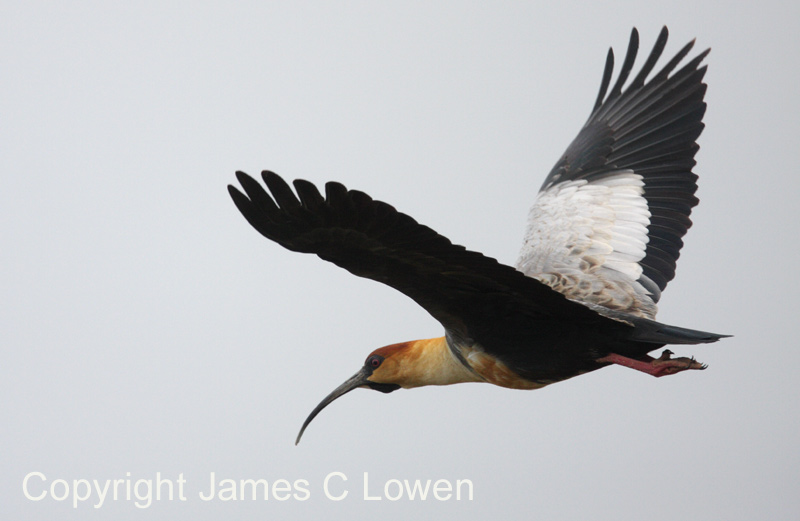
[654,332]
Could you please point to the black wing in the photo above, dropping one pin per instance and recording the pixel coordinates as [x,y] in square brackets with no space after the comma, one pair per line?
[650,128]
[469,293]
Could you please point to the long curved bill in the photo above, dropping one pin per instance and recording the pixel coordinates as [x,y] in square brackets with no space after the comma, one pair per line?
[357,380]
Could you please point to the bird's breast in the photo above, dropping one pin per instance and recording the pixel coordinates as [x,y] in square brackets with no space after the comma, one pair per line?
[491,369]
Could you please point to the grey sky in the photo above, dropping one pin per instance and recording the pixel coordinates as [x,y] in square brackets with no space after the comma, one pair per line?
[147,328]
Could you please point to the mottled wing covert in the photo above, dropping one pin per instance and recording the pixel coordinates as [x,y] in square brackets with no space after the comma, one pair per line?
[606,227]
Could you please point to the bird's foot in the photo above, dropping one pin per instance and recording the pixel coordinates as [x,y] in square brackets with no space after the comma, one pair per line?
[661,366]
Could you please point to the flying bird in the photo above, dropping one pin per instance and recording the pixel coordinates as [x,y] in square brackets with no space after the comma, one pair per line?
[603,236]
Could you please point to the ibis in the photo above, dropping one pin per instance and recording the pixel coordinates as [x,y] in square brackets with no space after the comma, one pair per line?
[602,239]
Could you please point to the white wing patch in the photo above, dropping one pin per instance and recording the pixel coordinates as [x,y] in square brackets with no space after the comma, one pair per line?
[585,239]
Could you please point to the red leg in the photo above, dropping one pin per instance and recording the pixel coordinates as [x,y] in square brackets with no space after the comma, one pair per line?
[662,366]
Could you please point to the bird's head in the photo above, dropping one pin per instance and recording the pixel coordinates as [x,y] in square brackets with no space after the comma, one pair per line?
[383,371]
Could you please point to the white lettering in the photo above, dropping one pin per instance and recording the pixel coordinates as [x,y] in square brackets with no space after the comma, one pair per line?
[25,486]
[146,497]
[282,487]
[253,484]
[298,485]
[159,482]
[76,495]
[181,482]
[101,493]
[442,485]
[227,490]
[53,491]
[366,490]
[386,490]
[325,486]
[143,492]
[423,492]
[458,488]
[211,492]
[116,484]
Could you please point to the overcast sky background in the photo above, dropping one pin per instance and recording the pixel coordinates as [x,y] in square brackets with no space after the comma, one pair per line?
[147,328]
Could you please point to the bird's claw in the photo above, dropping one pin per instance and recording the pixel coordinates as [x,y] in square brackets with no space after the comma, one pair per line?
[665,364]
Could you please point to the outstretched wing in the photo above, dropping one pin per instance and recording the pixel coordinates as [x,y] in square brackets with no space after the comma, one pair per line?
[469,293]
[606,226]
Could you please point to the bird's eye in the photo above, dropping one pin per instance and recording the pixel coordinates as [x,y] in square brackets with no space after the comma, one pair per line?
[374,361]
